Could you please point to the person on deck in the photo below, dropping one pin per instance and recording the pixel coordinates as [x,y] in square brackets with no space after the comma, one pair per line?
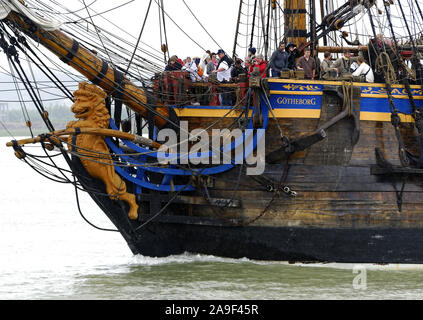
[364,72]
[293,54]
[223,73]
[308,64]
[207,60]
[224,67]
[180,61]
[212,65]
[252,53]
[259,63]
[326,69]
[247,63]
[343,64]
[237,70]
[279,61]
[173,64]
[191,67]
[200,70]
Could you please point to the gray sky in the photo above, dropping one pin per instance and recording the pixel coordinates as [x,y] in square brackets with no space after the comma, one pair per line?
[218,17]
[129,19]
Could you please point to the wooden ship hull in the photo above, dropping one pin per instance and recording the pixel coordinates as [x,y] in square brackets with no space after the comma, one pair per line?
[339,184]
[349,206]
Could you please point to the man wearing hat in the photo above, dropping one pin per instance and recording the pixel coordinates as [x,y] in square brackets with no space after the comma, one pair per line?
[224,67]
[252,53]
[223,73]
[293,54]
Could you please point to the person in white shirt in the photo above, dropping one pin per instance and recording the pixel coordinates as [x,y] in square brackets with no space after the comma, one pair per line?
[205,59]
[223,73]
[364,71]
[223,69]
[191,67]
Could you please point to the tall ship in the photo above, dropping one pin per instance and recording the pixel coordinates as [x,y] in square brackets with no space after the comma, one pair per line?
[265,165]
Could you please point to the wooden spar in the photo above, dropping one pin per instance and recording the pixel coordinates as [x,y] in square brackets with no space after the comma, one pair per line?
[94,131]
[341,49]
[89,65]
[405,52]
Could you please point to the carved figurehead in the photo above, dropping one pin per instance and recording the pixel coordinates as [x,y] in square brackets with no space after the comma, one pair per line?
[90,109]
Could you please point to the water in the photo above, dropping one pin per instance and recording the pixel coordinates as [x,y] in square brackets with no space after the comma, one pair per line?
[48,252]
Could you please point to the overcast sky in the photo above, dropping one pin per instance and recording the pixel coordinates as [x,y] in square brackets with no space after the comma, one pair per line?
[129,19]
[218,17]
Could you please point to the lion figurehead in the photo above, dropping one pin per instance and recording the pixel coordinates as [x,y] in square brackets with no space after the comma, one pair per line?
[89,105]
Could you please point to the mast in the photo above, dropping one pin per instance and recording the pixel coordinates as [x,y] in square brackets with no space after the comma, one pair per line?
[295,22]
[95,69]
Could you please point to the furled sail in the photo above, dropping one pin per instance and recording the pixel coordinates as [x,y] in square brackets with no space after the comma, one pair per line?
[86,62]
[15,5]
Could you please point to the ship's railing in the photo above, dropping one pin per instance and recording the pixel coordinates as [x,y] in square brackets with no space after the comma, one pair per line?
[175,88]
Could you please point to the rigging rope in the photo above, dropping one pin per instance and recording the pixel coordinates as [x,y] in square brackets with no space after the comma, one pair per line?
[199,22]
[139,37]
[383,62]
[180,27]
[164,31]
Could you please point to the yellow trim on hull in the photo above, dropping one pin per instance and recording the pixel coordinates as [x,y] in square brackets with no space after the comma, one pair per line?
[206,113]
[297,113]
[299,93]
[305,113]
[385,96]
[287,113]
[216,113]
[383,116]
[339,83]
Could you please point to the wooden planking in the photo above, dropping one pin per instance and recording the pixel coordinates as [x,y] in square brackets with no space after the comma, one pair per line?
[372,135]
[322,179]
[332,195]
[321,214]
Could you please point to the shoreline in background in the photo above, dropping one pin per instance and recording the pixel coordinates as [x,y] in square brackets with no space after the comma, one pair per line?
[18,133]
[13,121]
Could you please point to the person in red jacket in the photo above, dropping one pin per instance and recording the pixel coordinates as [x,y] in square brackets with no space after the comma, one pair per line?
[259,63]
[180,61]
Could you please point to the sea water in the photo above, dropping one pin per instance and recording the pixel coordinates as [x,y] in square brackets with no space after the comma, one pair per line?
[47,251]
